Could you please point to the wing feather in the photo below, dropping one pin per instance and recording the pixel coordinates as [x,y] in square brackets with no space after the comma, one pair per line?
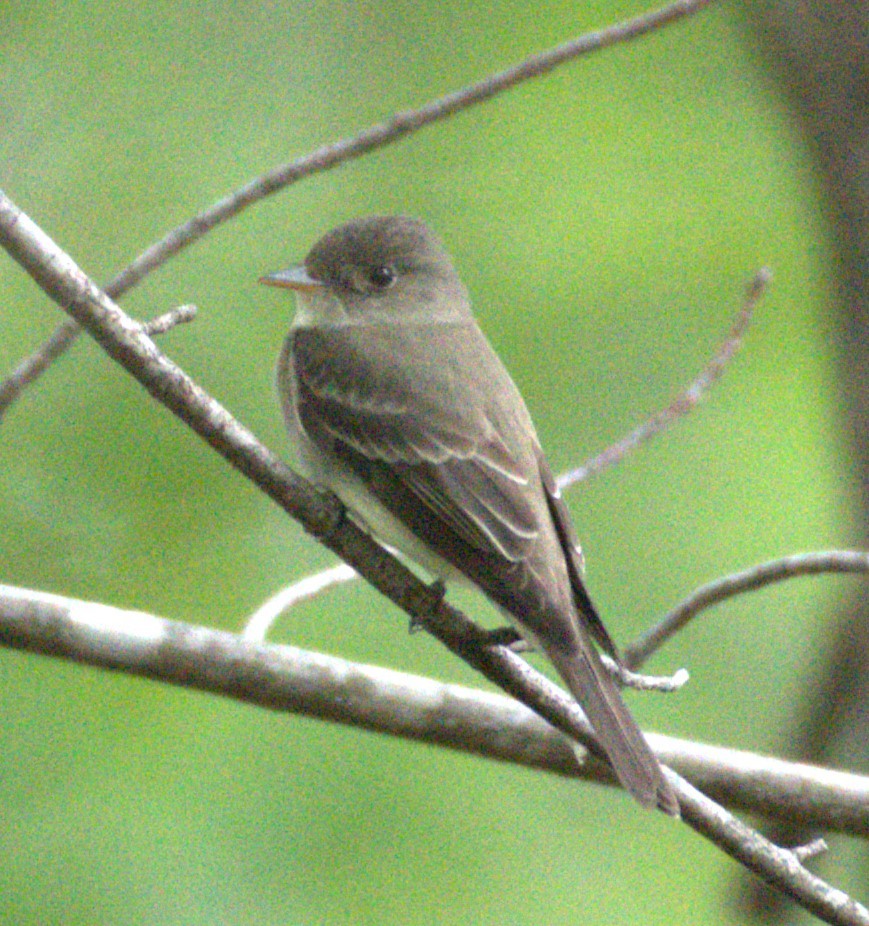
[431,430]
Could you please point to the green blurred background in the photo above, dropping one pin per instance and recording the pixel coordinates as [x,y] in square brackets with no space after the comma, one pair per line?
[605,219]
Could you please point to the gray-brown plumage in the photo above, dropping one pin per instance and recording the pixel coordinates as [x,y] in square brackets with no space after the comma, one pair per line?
[395,400]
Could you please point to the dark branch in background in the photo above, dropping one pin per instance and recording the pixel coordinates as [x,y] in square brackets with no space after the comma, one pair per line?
[804,564]
[126,341]
[287,678]
[329,156]
[816,53]
[686,400]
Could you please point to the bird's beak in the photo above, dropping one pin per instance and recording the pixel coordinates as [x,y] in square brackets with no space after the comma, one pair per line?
[296,278]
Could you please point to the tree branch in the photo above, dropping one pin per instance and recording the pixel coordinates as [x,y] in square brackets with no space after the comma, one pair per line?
[126,341]
[297,681]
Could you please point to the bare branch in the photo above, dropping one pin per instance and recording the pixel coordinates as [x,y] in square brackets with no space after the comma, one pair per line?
[289,679]
[832,800]
[777,570]
[377,136]
[774,865]
[686,401]
[126,341]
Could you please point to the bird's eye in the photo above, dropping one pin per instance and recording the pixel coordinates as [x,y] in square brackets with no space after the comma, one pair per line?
[382,277]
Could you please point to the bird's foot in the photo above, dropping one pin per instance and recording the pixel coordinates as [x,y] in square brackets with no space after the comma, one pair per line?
[437,593]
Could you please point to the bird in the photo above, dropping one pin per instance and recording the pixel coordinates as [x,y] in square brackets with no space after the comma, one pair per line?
[394,400]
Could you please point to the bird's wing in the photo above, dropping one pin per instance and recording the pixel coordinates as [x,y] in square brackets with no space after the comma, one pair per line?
[418,435]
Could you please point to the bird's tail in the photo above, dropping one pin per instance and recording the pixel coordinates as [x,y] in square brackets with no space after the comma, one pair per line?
[622,740]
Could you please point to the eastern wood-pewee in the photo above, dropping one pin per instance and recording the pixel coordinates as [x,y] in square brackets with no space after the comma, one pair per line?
[396,402]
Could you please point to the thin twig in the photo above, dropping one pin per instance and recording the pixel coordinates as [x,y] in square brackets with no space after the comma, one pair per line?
[287,678]
[803,564]
[180,315]
[377,136]
[322,515]
[263,619]
[686,400]
[811,850]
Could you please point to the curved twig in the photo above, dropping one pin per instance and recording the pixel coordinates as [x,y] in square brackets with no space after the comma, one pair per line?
[803,564]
